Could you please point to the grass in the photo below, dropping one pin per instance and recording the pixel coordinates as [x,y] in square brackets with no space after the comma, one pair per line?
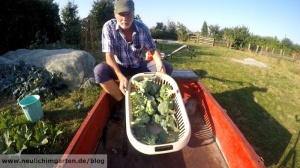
[262,102]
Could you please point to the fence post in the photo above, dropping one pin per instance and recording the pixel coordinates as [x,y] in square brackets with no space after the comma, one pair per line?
[249,47]
[257,49]
[273,51]
[280,53]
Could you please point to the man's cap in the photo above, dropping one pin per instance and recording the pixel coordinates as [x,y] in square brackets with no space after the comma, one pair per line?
[124,6]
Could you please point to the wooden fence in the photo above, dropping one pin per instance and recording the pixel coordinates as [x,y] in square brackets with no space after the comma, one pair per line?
[279,53]
[202,40]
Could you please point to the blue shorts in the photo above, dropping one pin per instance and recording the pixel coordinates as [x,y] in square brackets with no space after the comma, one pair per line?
[103,72]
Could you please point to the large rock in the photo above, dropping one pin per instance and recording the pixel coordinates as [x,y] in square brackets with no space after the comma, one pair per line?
[76,66]
[4,60]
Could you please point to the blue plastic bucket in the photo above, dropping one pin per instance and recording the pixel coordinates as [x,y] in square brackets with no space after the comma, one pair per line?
[32,108]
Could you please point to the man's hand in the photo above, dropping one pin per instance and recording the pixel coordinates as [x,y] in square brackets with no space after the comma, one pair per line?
[123,83]
[123,80]
[160,67]
[158,62]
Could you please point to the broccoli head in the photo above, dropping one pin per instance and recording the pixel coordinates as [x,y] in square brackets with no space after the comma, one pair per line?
[142,118]
[153,103]
[165,107]
[171,123]
[137,110]
[163,124]
[154,89]
[164,137]
[140,130]
[151,107]
[147,85]
[150,139]
[143,86]
[166,92]
[156,119]
[137,98]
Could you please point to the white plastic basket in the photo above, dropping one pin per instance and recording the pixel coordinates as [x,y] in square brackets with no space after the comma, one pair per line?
[181,118]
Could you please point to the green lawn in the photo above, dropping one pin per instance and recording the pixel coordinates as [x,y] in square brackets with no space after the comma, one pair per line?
[262,102]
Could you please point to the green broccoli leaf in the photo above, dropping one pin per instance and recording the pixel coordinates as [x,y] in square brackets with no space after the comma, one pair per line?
[139,130]
[22,136]
[150,139]
[40,135]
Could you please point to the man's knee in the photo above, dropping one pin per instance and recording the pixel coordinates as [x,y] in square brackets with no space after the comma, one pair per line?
[103,72]
[169,68]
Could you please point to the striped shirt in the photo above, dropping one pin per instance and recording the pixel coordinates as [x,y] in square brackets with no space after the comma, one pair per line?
[126,53]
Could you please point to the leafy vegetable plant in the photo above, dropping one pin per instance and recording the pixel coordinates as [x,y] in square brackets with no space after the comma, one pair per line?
[21,80]
[19,137]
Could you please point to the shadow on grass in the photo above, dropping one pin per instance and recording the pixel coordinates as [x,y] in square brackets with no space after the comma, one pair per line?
[291,155]
[206,53]
[69,122]
[58,116]
[297,118]
[267,136]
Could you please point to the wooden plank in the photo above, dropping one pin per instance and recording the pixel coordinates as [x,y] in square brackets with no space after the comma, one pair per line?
[184,74]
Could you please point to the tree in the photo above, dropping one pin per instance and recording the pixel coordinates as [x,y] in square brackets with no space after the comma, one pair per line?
[71,24]
[287,46]
[159,31]
[204,30]
[270,42]
[287,43]
[162,31]
[85,33]
[160,26]
[228,36]
[213,30]
[240,36]
[171,30]
[182,32]
[138,17]
[236,37]
[21,20]
[101,12]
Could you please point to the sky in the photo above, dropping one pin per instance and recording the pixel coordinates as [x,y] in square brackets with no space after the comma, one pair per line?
[273,18]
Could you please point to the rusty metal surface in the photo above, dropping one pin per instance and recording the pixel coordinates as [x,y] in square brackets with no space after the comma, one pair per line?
[201,151]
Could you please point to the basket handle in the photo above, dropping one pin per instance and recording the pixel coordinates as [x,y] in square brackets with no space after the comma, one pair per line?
[153,73]
[163,148]
[149,72]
